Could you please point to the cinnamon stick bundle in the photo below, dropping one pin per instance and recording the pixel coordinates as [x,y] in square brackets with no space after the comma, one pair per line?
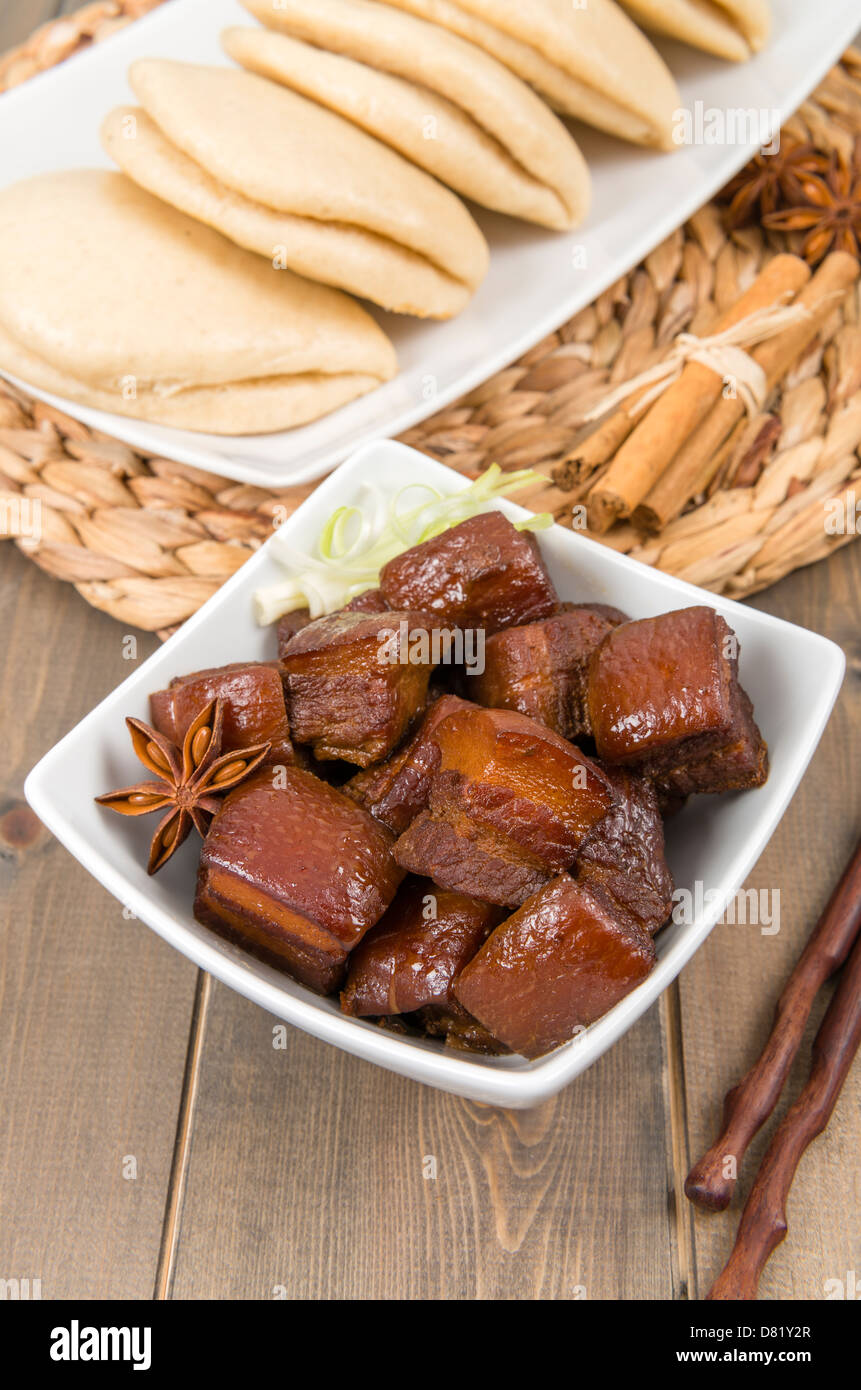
[654,442]
[696,463]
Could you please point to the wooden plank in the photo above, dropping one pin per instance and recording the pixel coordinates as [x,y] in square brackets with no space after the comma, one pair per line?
[306,1179]
[729,990]
[18,19]
[94,1009]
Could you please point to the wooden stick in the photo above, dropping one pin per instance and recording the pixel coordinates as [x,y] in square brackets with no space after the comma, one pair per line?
[697,461]
[764,1223]
[652,445]
[747,1106]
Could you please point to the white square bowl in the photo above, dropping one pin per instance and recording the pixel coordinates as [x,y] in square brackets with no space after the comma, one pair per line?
[793,677]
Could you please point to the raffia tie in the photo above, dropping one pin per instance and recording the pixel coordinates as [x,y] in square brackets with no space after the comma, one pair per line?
[723,353]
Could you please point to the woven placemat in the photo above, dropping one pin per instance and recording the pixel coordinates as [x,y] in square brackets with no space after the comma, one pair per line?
[149,540]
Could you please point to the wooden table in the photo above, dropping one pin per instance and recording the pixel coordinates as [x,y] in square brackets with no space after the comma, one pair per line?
[155,1142]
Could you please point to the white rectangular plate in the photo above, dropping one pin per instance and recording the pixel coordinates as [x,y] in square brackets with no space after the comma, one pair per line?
[792,676]
[537,279]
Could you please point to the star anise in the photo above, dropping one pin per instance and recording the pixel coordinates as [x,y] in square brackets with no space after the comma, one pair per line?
[191,779]
[769,180]
[829,210]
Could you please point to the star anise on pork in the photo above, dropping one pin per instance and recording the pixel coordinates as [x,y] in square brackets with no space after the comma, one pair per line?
[190,779]
[771,180]
[828,211]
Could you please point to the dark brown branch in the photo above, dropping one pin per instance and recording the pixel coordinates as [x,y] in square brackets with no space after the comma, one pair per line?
[748,1105]
[763,1224]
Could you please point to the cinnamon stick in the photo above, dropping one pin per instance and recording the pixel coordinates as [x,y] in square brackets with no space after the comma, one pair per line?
[652,445]
[764,1222]
[695,464]
[693,468]
[598,448]
[748,1105]
[549,493]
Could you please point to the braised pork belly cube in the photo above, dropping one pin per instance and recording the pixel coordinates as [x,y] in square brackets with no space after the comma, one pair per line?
[483,573]
[515,776]
[288,626]
[555,966]
[470,858]
[739,763]
[353,686]
[541,669]
[624,854]
[396,790]
[371,601]
[614,616]
[510,804]
[294,870]
[254,711]
[411,958]
[664,697]
[459,1029]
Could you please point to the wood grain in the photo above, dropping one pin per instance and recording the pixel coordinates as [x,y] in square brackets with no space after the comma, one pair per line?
[307,1173]
[94,1009]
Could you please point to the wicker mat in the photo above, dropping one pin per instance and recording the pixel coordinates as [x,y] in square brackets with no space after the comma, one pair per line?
[149,540]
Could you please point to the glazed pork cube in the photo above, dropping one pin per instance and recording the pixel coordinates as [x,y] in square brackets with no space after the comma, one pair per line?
[470,858]
[297,872]
[370,601]
[624,855]
[555,966]
[288,626]
[614,616]
[353,688]
[411,958]
[510,804]
[541,669]
[739,763]
[664,697]
[252,694]
[398,789]
[483,573]
[459,1029]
